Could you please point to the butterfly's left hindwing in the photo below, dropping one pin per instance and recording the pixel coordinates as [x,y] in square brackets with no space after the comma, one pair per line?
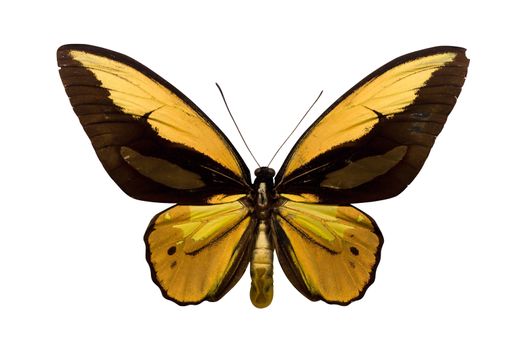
[328,252]
[153,141]
[198,253]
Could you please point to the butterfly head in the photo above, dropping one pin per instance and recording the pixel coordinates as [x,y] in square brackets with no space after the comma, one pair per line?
[264,173]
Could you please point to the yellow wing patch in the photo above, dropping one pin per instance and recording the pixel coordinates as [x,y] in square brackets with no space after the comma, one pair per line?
[331,251]
[175,120]
[355,116]
[222,198]
[198,253]
[303,197]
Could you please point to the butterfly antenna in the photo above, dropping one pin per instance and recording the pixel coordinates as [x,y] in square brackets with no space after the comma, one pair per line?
[304,116]
[234,122]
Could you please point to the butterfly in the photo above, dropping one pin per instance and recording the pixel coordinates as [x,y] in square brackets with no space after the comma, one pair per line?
[158,146]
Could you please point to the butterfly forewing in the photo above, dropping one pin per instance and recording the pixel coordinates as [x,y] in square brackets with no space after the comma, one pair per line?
[152,140]
[372,142]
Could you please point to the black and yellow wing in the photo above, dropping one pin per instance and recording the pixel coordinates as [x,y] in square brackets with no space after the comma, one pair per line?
[159,146]
[372,142]
[198,253]
[369,145]
[328,252]
[153,141]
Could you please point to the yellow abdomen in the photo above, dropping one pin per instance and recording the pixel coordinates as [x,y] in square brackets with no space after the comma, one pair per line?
[261,268]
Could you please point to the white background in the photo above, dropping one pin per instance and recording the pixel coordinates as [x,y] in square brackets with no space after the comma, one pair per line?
[73,272]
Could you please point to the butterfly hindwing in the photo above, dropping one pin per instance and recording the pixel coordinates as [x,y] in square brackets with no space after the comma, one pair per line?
[328,252]
[152,140]
[198,253]
[372,142]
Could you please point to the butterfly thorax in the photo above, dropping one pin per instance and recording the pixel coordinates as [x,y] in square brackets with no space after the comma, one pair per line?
[263,192]
[261,264]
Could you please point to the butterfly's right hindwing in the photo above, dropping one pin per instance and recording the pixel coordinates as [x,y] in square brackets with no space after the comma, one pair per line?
[198,253]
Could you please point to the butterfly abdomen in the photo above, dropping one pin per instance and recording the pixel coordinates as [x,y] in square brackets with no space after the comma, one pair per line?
[261,267]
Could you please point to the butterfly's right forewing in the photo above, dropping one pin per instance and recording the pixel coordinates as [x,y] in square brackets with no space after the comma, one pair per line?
[152,140]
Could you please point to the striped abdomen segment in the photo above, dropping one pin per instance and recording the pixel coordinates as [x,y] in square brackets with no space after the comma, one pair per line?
[261,267]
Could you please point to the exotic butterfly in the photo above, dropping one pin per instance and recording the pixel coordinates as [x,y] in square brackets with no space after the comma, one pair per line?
[157,145]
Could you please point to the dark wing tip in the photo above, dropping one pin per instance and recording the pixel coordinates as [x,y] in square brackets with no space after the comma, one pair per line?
[63,51]
[461,58]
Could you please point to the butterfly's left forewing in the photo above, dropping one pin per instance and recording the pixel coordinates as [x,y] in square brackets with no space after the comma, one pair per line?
[372,142]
